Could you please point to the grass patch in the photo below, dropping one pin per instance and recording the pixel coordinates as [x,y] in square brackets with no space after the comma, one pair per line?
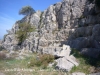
[41,61]
[86,64]
[24,64]
[83,67]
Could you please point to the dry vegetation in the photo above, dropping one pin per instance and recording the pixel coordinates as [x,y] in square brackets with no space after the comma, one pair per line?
[2,56]
[37,64]
[30,65]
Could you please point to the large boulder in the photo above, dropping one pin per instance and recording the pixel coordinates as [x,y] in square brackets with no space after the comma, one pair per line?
[67,61]
[64,64]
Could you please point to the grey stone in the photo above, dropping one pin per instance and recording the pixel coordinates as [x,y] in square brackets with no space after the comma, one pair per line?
[67,61]
[78,43]
[61,64]
[78,73]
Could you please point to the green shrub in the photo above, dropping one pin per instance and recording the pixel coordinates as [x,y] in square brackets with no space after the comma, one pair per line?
[41,61]
[84,66]
[76,53]
[41,17]
[24,29]
[1,48]
[85,63]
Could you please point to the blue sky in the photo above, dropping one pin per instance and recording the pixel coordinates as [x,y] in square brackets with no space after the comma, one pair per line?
[9,11]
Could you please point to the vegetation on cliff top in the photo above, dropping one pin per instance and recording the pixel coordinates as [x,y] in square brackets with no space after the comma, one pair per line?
[26,10]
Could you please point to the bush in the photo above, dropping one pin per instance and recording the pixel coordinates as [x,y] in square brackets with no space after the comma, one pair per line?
[85,62]
[2,56]
[41,61]
[1,48]
[24,29]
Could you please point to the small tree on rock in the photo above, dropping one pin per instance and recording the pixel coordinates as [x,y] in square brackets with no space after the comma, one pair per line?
[26,10]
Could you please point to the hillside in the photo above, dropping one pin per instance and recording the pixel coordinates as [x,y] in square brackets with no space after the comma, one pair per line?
[74,23]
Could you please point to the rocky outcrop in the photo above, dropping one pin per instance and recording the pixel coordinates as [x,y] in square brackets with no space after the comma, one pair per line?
[72,22]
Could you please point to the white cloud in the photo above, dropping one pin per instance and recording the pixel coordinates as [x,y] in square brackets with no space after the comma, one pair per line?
[5,18]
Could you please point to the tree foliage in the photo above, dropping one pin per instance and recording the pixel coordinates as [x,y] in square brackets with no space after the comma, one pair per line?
[26,10]
[24,29]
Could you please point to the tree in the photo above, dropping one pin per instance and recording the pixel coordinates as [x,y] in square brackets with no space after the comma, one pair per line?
[26,10]
[24,29]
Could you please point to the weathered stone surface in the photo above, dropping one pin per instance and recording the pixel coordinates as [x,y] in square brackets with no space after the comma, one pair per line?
[10,42]
[67,61]
[78,43]
[35,18]
[56,22]
[91,52]
[78,73]
[63,64]
[65,51]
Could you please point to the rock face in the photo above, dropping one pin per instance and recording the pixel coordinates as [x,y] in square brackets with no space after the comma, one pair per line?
[72,22]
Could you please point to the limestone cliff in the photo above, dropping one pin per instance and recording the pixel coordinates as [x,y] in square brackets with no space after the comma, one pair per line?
[72,22]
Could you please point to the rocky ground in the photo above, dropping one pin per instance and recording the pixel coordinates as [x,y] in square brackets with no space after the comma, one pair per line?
[12,63]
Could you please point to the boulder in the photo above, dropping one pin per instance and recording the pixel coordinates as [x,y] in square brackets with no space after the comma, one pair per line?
[67,61]
[64,64]
[65,51]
